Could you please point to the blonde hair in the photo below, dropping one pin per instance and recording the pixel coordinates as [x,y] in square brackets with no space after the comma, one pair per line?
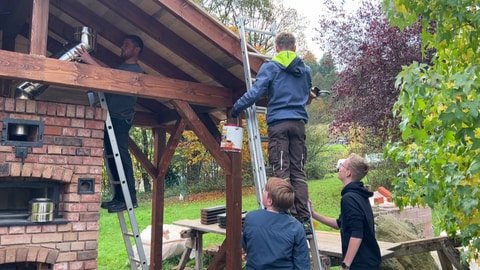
[358,166]
[285,41]
[281,192]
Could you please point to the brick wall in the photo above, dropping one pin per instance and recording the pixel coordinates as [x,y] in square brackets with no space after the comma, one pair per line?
[420,217]
[72,149]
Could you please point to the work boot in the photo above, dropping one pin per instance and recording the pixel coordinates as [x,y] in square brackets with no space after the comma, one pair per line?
[106,205]
[119,207]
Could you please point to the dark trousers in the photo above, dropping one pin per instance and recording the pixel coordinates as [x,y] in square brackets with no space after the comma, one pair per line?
[287,153]
[121,128]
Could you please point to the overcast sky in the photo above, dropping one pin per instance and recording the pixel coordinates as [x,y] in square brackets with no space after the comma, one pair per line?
[313,12]
[305,8]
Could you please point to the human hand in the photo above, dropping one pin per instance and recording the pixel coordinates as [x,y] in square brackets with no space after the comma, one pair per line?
[235,113]
[84,55]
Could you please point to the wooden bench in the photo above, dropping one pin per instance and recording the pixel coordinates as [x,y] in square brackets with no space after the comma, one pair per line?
[329,245]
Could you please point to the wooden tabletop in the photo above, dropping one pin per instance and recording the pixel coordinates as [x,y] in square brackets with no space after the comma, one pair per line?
[329,243]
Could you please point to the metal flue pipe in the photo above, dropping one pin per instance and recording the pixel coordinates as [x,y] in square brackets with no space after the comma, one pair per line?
[85,36]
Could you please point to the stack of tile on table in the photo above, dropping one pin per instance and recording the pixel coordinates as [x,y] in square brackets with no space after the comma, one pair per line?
[222,219]
[209,215]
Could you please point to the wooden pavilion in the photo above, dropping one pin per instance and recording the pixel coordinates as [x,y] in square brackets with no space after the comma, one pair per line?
[193,68]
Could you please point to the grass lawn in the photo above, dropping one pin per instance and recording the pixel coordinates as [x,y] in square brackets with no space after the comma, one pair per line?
[325,195]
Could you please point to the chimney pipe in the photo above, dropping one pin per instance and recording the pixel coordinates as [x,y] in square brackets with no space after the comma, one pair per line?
[85,36]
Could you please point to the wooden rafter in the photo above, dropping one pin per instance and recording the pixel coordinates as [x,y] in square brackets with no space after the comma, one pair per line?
[209,28]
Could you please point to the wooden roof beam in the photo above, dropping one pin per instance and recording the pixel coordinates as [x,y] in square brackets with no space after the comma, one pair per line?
[115,35]
[88,77]
[209,28]
[170,39]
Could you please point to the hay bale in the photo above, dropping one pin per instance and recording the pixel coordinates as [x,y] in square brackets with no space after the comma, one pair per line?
[389,228]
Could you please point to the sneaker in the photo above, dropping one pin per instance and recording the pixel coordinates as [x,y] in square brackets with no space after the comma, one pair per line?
[106,205]
[119,207]
[307,226]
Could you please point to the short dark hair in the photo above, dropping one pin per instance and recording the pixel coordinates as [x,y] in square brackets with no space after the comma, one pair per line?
[136,40]
[285,41]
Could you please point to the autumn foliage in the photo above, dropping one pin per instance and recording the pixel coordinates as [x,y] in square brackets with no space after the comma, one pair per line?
[369,53]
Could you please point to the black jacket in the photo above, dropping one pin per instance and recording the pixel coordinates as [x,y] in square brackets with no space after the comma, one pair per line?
[356,220]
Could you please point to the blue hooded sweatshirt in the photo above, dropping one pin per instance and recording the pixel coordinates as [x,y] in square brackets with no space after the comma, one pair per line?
[287,81]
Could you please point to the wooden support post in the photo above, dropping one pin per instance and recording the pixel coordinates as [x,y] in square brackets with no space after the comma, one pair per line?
[39,30]
[234,213]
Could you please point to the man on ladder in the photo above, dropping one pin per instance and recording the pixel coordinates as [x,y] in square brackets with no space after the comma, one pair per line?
[121,110]
[287,81]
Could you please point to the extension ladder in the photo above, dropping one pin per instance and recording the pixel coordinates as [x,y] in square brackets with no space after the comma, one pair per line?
[141,261]
[254,138]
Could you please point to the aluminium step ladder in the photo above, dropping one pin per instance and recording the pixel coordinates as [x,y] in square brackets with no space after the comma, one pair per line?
[255,140]
[141,261]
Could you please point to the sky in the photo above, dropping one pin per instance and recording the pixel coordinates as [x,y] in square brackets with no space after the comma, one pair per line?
[313,12]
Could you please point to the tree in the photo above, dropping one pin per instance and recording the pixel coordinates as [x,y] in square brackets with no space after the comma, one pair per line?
[439,110]
[266,15]
[369,53]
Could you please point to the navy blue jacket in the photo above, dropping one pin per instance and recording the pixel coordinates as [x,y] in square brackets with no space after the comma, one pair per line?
[287,81]
[274,241]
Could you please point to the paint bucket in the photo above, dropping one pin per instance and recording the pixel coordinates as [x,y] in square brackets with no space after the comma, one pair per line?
[232,137]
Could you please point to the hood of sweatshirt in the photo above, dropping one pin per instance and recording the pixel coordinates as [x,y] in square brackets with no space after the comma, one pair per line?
[289,61]
[357,187]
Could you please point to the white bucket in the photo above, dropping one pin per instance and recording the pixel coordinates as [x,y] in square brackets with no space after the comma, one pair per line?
[232,136]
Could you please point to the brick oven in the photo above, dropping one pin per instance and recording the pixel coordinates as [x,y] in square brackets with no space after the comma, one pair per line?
[59,157]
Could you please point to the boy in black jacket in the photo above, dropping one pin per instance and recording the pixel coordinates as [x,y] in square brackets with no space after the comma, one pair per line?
[359,247]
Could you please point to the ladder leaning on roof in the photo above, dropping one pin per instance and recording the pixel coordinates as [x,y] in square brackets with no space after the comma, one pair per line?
[254,138]
[141,261]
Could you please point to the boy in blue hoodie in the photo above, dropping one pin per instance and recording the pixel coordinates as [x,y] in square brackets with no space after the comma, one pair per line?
[286,81]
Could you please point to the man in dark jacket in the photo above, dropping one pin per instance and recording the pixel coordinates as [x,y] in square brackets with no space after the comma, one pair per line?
[286,81]
[360,249]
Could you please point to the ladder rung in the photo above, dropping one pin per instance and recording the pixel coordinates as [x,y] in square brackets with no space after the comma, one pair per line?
[260,55]
[264,138]
[260,31]
[261,109]
[114,182]
[134,259]
[129,234]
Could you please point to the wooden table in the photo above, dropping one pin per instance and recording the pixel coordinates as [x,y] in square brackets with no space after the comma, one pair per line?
[329,245]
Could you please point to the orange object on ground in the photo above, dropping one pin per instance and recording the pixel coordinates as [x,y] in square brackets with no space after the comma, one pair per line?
[385,192]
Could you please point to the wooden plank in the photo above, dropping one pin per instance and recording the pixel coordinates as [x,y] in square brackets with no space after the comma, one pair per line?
[219,260]
[158,203]
[170,39]
[113,34]
[142,158]
[39,27]
[234,212]
[444,261]
[209,28]
[203,135]
[84,77]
